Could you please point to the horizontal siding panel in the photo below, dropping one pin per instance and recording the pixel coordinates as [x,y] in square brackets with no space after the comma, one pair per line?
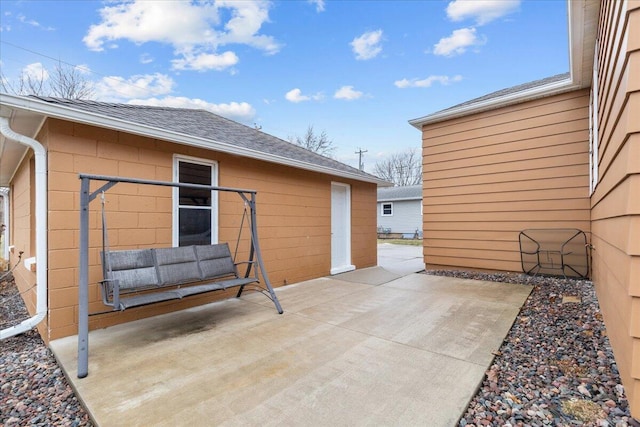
[548,161]
[469,235]
[457,142]
[512,226]
[472,263]
[509,143]
[536,109]
[561,215]
[511,206]
[621,232]
[610,113]
[531,175]
[544,194]
[565,118]
[482,245]
[507,256]
[571,182]
[435,163]
[622,200]
[607,157]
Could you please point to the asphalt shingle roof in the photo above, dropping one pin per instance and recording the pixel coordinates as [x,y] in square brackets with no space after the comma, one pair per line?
[500,93]
[409,192]
[208,126]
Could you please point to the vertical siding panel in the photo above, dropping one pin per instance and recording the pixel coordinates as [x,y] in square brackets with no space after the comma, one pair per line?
[487,176]
[615,207]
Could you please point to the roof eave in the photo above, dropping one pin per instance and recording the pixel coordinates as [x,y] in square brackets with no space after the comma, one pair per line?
[554,88]
[582,28]
[66,113]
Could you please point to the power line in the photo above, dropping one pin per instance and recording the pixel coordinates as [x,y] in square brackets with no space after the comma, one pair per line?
[87,69]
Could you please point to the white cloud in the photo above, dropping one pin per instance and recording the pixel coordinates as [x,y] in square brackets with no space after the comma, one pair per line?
[146,58]
[295,96]
[196,30]
[458,42]
[367,46]
[428,82]
[206,61]
[32,22]
[239,111]
[483,11]
[115,88]
[348,93]
[36,71]
[319,5]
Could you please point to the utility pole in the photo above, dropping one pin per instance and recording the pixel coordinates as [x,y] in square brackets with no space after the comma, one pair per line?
[360,152]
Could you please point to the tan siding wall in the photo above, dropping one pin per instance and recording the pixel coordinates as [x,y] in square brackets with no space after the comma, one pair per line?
[616,200]
[293,215]
[22,211]
[490,175]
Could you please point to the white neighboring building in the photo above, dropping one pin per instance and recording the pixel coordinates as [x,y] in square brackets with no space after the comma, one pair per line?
[400,211]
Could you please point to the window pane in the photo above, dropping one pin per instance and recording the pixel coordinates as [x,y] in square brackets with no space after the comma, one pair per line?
[195,226]
[193,173]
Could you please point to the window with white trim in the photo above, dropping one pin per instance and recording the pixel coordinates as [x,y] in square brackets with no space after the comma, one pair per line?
[386,209]
[195,211]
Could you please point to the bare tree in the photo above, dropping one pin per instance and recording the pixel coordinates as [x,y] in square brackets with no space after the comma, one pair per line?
[404,168]
[27,83]
[320,144]
[66,81]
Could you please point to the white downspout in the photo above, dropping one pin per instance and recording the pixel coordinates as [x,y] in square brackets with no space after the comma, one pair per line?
[41,230]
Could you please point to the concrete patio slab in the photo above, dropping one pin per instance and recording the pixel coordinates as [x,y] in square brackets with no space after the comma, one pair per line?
[409,352]
[400,259]
[370,276]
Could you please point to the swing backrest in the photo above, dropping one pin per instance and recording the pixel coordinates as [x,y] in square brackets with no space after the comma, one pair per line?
[215,261]
[133,269]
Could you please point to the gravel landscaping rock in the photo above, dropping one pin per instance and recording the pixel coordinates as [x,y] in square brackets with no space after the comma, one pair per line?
[555,366]
[33,389]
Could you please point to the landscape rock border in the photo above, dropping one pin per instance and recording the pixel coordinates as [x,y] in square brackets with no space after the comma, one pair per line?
[555,366]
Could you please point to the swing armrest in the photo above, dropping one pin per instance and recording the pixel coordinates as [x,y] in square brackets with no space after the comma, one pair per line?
[111,286]
[250,266]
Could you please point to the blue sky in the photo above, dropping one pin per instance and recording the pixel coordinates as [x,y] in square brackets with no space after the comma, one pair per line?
[358,70]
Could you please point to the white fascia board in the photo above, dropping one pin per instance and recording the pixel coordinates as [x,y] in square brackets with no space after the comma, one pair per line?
[497,102]
[65,113]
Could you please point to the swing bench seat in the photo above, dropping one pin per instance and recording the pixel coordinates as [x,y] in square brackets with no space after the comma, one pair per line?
[139,277]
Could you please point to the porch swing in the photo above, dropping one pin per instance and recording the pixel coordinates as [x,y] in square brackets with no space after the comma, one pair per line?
[137,277]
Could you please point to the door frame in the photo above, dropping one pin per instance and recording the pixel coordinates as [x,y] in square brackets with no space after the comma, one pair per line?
[345,264]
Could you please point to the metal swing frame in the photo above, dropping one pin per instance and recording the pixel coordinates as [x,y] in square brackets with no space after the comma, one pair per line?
[87,196]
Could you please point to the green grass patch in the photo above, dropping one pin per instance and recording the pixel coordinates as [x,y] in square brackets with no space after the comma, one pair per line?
[409,242]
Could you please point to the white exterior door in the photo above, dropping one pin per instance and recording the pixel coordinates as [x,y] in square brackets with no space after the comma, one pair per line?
[340,228]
